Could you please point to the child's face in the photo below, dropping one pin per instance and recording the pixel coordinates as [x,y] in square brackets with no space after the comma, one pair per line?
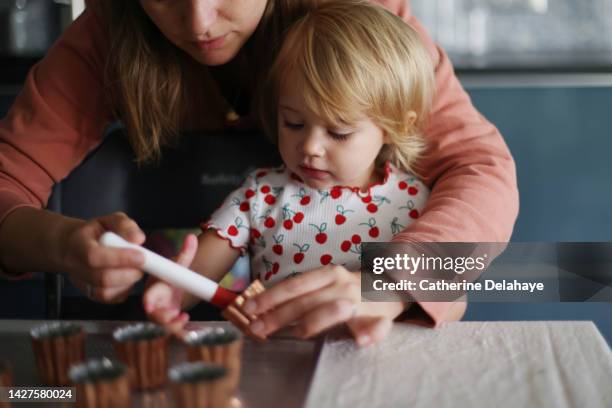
[324,155]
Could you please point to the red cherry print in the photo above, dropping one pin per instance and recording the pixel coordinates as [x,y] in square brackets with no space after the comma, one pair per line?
[298,217]
[277,249]
[374,232]
[244,206]
[232,230]
[413,190]
[414,213]
[270,199]
[366,199]
[255,233]
[305,200]
[249,193]
[321,237]
[345,246]
[265,189]
[340,219]
[326,259]
[275,268]
[288,224]
[269,222]
[299,257]
[268,275]
[402,185]
[261,174]
[372,208]
[335,193]
[356,239]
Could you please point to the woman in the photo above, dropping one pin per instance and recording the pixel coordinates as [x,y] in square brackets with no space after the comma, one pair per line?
[163,66]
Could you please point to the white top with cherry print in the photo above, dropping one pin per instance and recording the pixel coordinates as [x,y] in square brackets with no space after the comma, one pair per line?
[290,228]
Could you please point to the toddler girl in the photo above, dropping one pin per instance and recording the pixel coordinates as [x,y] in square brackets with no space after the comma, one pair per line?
[347,95]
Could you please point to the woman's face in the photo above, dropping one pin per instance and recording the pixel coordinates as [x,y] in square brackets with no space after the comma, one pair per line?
[211,31]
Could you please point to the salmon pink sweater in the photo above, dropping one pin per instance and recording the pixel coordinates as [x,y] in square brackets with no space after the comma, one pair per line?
[62,111]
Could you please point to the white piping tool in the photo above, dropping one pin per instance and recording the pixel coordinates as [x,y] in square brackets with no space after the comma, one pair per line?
[174,273]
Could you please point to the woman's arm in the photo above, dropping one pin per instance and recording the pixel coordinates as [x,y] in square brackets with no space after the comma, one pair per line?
[68,245]
[474,194]
[57,119]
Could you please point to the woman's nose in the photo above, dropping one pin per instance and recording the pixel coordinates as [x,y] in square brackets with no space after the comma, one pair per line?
[313,143]
[202,15]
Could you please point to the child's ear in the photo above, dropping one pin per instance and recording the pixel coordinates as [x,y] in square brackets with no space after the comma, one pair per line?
[386,138]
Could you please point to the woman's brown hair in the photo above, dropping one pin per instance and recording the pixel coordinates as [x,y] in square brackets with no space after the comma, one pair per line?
[145,73]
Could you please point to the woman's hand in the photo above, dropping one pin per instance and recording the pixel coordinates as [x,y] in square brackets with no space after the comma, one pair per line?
[103,274]
[163,302]
[319,299]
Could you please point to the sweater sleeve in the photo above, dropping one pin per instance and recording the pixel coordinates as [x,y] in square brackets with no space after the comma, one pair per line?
[58,117]
[469,168]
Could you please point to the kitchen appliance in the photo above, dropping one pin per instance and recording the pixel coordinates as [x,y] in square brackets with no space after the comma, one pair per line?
[523,34]
[28,28]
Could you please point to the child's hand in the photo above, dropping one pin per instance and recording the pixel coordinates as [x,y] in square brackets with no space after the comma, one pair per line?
[163,302]
[319,299]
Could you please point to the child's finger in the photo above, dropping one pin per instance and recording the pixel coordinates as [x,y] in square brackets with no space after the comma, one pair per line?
[188,250]
[157,295]
[167,314]
[171,325]
[369,330]
[177,324]
[163,315]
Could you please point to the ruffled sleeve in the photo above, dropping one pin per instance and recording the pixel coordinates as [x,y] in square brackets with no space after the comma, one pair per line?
[235,220]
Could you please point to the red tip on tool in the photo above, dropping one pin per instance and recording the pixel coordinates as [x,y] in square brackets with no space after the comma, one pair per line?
[223,297]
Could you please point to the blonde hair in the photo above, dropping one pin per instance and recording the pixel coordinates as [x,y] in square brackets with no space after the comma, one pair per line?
[356,59]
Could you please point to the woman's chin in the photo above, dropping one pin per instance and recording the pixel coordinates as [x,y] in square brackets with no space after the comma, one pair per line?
[212,60]
[213,57]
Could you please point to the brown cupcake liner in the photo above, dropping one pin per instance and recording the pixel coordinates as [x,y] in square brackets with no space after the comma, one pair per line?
[6,374]
[143,347]
[6,380]
[219,346]
[200,385]
[101,383]
[235,313]
[57,346]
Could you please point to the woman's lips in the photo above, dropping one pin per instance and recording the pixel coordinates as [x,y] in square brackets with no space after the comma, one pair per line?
[212,44]
[314,173]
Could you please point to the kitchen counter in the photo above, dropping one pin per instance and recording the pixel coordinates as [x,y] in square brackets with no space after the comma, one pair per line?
[477,364]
